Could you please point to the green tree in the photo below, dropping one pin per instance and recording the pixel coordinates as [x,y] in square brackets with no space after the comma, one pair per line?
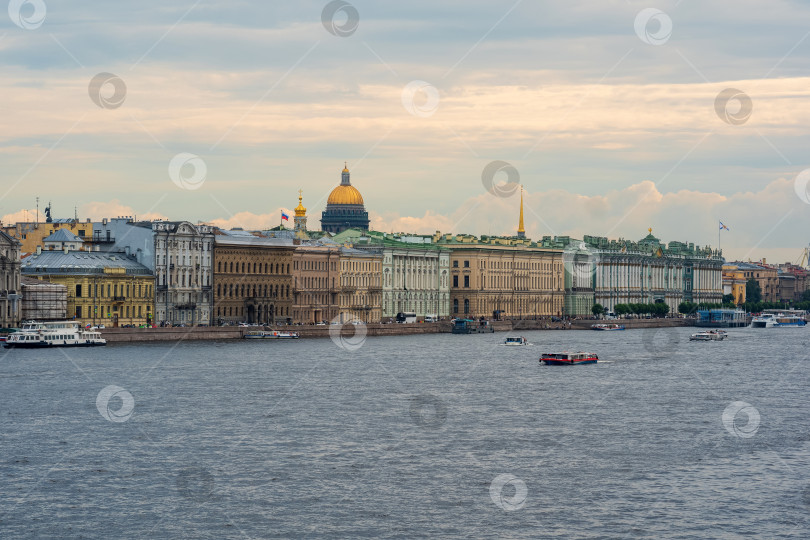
[728,299]
[597,309]
[753,292]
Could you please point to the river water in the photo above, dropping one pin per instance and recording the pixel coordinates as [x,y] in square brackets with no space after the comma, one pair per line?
[415,436]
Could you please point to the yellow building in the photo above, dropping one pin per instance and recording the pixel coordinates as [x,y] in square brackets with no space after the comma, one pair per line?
[734,283]
[32,234]
[360,278]
[103,288]
[504,277]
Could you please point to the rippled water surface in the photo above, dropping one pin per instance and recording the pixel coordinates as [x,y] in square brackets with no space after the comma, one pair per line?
[426,436]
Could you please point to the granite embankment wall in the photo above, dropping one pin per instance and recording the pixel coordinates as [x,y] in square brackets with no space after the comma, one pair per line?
[117,335]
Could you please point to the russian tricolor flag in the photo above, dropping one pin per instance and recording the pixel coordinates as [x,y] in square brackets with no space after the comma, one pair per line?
[285,216]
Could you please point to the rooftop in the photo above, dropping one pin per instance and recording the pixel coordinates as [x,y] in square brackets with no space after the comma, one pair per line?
[80,262]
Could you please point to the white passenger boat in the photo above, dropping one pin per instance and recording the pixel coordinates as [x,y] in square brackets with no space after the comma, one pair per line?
[270,334]
[709,335]
[774,320]
[54,334]
[516,341]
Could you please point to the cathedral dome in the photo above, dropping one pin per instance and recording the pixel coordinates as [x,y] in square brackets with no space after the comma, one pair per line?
[345,194]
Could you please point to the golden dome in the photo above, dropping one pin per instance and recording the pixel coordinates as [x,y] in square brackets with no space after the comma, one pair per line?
[345,194]
[300,211]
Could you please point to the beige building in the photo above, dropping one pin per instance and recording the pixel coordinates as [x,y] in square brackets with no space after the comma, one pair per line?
[10,309]
[33,234]
[252,278]
[316,283]
[360,295]
[102,288]
[503,277]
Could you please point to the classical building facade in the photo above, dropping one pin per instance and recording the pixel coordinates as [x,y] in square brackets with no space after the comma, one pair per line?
[253,278]
[360,295]
[649,271]
[184,255]
[10,307]
[765,275]
[31,234]
[344,208]
[316,283]
[504,277]
[734,283]
[415,271]
[102,288]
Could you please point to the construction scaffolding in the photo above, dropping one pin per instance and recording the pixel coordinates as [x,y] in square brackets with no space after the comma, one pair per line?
[43,301]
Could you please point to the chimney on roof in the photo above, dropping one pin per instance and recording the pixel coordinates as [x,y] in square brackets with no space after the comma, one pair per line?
[65,249]
[39,250]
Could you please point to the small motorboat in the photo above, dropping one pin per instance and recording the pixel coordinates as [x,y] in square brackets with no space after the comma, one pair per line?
[710,335]
[568,358]
[516,341]
[607,327]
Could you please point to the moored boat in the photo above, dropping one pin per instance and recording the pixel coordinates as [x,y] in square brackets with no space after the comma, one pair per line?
[516,341]
[607,327]
[270,334]
[54,334]
[774,320]
[568,358]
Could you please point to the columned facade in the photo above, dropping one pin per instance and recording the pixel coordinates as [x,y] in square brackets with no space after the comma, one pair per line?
[10,306]
[416,280]
[360,286]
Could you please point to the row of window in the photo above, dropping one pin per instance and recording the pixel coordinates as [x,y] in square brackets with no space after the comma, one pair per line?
[238,311]
[313,265]
[141,291]
[90,312]
[254,268]
[509,265]
[231,290]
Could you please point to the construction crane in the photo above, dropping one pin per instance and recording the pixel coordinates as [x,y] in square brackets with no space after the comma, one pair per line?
[805,258]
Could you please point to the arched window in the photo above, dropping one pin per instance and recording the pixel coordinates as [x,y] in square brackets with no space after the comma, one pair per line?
[455,305]
[466,306]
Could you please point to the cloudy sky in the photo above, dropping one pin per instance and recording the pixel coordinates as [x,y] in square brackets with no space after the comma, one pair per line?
[616,115]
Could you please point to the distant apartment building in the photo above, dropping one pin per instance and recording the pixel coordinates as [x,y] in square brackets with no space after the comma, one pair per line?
[32,234]
[509,277]
[315,282]
[179,253]
[734,283]
[10,294]
[415,271]
[360,277]
[102,288]
[765,275]
[253,278]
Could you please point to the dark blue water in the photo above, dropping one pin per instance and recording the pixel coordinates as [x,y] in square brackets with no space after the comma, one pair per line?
[431,436]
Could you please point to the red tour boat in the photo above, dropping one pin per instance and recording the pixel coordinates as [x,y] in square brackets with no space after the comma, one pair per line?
[568,358]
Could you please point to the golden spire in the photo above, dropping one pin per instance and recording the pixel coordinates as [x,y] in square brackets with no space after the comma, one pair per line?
[345,166]
[521,231]
[649,230]
[300,211]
